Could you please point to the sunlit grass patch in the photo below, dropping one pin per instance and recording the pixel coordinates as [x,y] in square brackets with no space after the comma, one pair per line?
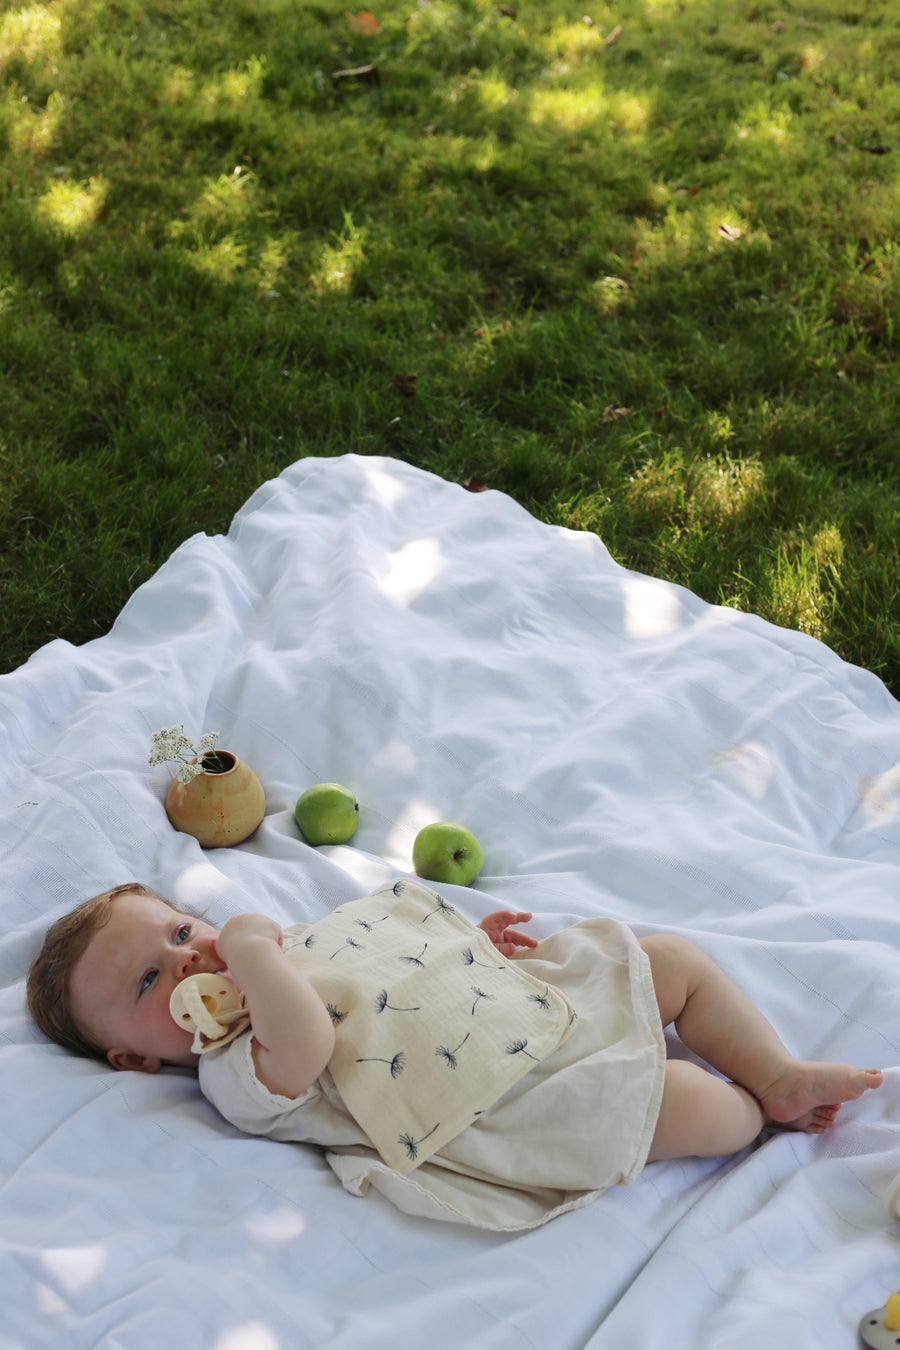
[72,207]
[36,130]
[338,263]
[32,33]
[589,105]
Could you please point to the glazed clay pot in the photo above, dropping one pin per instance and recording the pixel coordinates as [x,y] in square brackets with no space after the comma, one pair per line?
[218,809]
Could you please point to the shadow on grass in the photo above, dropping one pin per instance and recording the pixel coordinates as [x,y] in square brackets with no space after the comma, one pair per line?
[216,257]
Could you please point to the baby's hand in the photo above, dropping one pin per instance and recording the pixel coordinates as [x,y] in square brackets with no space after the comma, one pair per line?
[243,928]
[504,938]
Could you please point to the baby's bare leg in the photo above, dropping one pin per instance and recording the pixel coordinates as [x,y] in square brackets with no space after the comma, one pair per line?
[719,1023]
[703,1116]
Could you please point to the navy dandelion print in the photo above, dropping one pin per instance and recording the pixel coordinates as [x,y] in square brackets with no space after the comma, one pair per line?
[468,959]
[542,1000]
[381,1002]
[479,995]
[518,1048]
[336,1015]
[415,960]
[412,1145]
[449,1056]
[348,942]
[441,907]
[396,1064]
[368,924]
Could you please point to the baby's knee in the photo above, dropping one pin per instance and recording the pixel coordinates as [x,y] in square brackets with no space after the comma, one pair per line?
[669,950]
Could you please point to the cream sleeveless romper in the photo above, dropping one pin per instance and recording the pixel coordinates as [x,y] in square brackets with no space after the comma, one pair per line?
[466,1086]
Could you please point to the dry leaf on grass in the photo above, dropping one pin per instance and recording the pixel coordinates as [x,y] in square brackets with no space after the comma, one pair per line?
[363,23]
[613,414]
[730,232]
[406,384]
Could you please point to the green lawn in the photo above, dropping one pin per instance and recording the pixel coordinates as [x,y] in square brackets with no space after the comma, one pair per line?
[637,265]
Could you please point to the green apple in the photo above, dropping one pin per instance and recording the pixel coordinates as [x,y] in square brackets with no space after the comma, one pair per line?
[447,852]
[327,814]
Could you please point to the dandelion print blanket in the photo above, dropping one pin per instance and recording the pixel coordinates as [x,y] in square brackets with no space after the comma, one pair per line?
[620,748]
[404,949]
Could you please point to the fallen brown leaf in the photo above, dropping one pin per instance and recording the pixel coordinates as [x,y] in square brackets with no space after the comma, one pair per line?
[507,11]
[729,232]
[475,484]
[613,414]
[876,149]
[363,23]
[406,384]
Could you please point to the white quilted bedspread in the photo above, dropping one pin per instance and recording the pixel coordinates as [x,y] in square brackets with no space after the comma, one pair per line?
[619,747]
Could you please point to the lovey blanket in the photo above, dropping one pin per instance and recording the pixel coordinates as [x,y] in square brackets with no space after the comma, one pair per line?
[619,747]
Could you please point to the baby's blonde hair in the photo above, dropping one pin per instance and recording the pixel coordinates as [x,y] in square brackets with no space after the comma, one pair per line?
[50,976]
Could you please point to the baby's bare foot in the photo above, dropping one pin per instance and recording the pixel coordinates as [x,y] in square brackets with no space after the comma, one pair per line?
[808,1095]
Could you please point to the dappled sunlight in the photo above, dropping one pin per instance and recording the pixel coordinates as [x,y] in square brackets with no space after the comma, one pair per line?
[180,84]
[801,578]
[73,1268]
[767,125]
[221,261]
[752,765]
[228,92]
[652,609]
[494,92]
[396,848]
[36,129]
[710,491]
[724,489]
[198,886]
[411,570]
[384,487]
[71,207]
[577,109]
[577,42]
[880,795]
[249,1336]
[280,1225]
[610,294]
[225,201]
[692,227]
[32,33]
[338,263]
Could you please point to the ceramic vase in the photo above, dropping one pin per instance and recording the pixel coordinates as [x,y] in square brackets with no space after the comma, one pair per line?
[218,809]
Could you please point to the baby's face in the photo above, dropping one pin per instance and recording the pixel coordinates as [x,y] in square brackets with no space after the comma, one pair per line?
[121,984]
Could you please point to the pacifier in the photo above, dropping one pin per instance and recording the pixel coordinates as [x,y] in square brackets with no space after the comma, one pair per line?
[210,1007]
[880,1328]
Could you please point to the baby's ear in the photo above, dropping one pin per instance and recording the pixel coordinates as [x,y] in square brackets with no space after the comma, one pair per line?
[129,1059]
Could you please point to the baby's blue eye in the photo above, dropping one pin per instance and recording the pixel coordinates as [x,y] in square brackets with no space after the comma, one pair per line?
[184,933]
[148,980]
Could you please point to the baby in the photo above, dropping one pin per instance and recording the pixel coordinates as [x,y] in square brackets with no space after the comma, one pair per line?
[571,1093]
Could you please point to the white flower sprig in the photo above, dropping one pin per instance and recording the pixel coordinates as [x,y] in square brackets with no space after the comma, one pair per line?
[170,743]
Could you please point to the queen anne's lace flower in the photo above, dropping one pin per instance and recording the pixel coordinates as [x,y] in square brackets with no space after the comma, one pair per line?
[170,743]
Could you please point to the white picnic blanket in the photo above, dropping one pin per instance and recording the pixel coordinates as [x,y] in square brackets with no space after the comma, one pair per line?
[620,748]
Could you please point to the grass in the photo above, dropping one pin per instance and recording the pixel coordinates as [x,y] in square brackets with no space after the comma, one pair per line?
[641,272]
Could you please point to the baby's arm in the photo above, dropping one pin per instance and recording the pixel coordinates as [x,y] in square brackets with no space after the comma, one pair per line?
[504,938]
[293,1035]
